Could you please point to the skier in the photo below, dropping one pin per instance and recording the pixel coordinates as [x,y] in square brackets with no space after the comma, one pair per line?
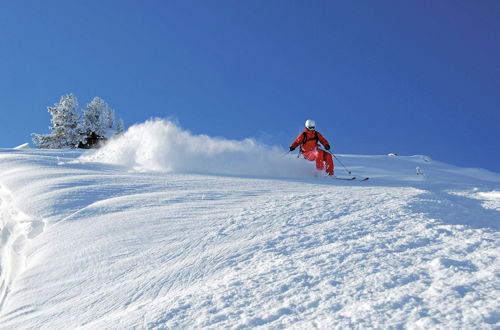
[309,147]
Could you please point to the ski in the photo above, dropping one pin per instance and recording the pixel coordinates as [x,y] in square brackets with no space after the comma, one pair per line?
[351,178]
[341,178]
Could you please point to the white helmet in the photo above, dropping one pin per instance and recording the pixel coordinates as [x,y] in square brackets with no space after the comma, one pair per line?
[310,124]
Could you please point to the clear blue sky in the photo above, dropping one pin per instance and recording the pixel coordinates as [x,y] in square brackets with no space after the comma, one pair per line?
[410,77]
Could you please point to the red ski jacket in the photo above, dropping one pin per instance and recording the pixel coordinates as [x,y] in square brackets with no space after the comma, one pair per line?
[308,140]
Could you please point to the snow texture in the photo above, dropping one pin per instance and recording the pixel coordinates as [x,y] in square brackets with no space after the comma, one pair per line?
[163,229]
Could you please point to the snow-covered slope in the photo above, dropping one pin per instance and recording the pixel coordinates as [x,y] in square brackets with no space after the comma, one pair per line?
[123,239]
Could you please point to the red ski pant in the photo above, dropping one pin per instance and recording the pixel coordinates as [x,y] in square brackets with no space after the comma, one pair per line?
[321,157]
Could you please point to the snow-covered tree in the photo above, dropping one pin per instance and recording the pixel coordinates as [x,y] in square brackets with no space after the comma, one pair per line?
[65,125]
[97,118]
[120,126]
[99,122]
[70,130]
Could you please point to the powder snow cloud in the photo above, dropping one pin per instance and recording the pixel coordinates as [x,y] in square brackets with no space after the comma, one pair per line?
[161,145]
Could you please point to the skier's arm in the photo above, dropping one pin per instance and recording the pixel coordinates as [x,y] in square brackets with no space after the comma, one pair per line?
[297,142]
[323,141]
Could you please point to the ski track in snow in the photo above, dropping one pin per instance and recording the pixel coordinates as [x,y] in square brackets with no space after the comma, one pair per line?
[119,249]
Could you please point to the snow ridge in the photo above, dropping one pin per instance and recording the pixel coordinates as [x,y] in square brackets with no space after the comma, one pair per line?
[16,228]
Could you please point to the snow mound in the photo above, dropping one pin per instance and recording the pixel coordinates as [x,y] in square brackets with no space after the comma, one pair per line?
[22,146]
[161,145]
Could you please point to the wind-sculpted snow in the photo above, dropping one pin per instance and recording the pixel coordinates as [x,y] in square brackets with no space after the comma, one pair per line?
[94,245]
[160,145]
[15,229]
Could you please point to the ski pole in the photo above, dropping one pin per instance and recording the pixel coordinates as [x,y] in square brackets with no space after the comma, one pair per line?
[336,158]
[284,154]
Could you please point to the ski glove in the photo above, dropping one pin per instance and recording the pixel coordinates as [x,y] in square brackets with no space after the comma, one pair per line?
[327,147]
[292,148]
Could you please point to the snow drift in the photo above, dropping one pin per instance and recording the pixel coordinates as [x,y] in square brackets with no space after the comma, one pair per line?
[161,145]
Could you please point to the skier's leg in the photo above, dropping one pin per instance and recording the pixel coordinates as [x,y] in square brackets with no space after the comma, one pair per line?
[307,155]
[330,166]
[320,160]
[310,155]
[317,156]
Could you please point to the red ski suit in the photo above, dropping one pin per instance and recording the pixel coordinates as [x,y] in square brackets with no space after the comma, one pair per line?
[308,142]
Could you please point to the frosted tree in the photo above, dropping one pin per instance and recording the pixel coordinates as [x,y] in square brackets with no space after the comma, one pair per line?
[119,126]
[65,125]
[70,130]
[97,118]
[99,123]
